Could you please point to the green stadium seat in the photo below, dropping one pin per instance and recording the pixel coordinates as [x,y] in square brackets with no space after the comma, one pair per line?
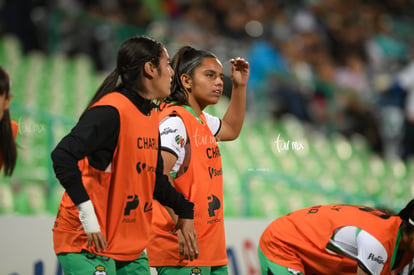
[54,197]
[11,52]
[30,199]
[377,167]
[232,193]
[22,206]
[342,147]
[6,198]
[293,127]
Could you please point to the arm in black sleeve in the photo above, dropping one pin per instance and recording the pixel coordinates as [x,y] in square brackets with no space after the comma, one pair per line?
[95,135]
[167,195]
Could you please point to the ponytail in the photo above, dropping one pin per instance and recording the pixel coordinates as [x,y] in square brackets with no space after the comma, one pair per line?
[108,85]
[407,215]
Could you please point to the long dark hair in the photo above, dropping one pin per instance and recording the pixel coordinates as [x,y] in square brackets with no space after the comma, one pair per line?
[185,61]
[8,146]
[407,215]
[131,58]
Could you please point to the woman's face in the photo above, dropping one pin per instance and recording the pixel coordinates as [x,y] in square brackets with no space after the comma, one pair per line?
[4,104]
[162,85]
[206,85]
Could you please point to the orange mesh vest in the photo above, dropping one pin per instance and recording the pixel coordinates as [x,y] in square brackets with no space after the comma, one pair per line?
[300,238]
[15,128]
[201,183]
[123,196]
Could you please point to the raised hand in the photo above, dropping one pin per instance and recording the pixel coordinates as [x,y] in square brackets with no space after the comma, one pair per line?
[240,71]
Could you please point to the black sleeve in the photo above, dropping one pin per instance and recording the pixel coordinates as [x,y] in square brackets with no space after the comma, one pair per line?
[167,195]
[95,134]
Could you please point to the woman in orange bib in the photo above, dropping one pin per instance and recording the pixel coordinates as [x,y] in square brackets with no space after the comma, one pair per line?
[192,159]
[8,127]
[111,168]
[338,240]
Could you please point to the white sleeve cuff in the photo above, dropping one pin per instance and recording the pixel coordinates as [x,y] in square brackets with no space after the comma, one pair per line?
[88,217]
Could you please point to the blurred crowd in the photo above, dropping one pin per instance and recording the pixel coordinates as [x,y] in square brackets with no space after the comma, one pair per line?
[346,65]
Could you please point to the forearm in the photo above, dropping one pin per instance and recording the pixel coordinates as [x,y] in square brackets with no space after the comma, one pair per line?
[167,195]
[170,211]
[172,214]
[361,272]
[234,116]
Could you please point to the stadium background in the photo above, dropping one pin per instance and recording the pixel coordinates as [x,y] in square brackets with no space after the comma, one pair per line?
[329,116]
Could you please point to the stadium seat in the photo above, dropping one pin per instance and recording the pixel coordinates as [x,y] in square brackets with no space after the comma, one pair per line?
[6,198]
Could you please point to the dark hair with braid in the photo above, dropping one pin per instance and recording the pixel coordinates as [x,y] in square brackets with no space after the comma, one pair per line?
[407,215]
[8,148]
[185,61]
[131,58]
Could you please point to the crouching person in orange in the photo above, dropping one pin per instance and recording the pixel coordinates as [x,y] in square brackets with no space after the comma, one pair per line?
[338,239]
